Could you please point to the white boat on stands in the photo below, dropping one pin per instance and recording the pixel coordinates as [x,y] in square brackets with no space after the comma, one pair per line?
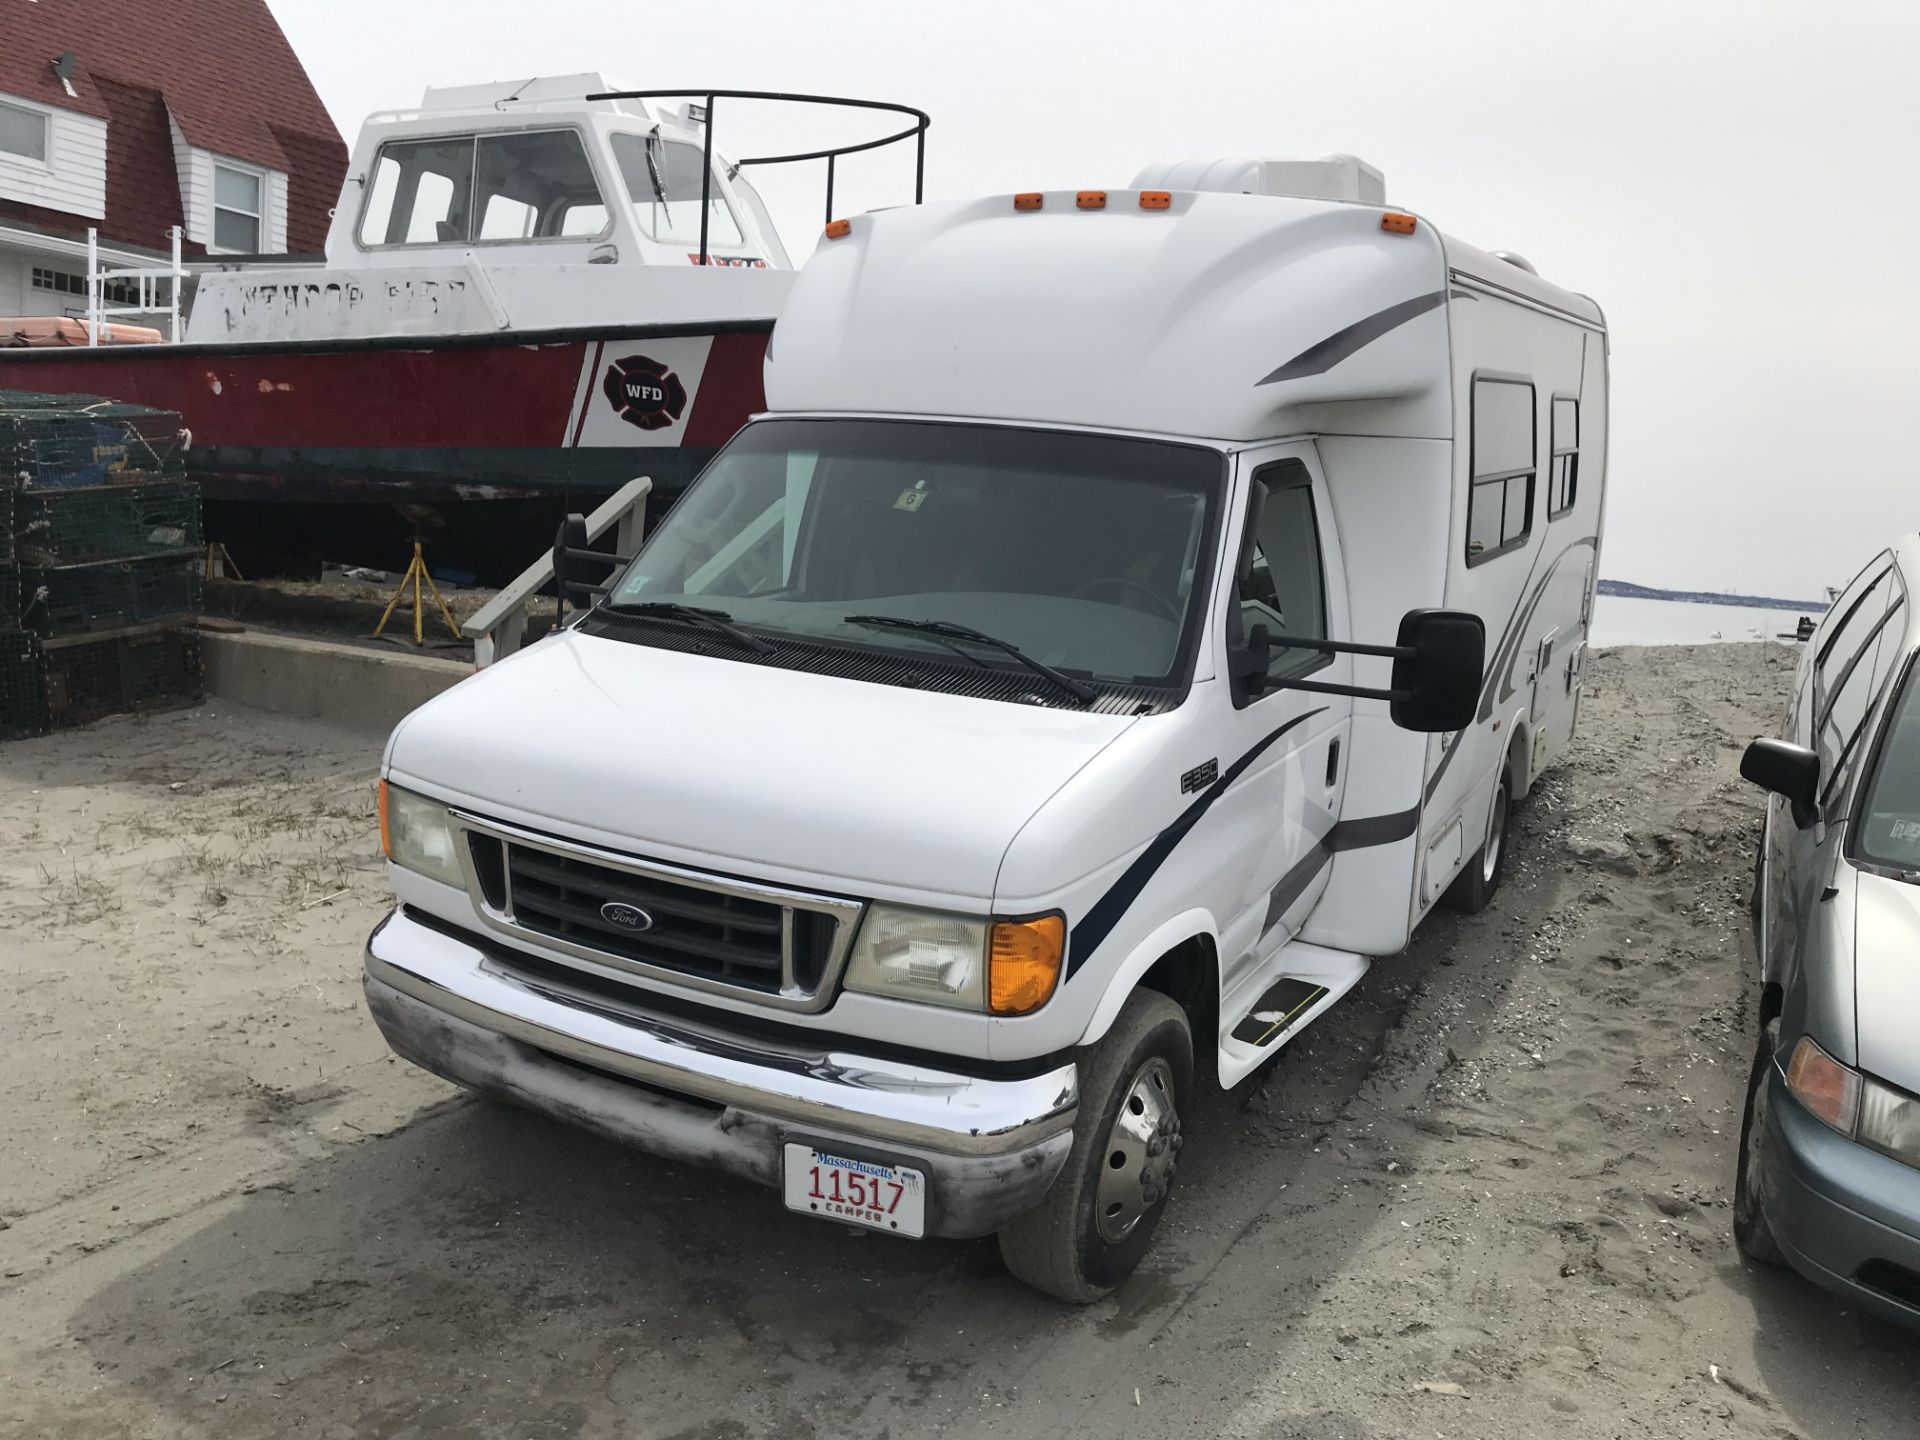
[532,292]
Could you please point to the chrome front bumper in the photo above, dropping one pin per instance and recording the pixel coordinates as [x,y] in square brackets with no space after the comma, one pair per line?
[698,1093]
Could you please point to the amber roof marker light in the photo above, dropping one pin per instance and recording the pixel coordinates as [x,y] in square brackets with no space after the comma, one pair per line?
[1156,200]
[1396,222]
[1091,199]
[1028,200]
[839,229]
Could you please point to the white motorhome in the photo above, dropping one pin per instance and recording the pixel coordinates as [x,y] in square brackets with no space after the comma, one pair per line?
[1137,610]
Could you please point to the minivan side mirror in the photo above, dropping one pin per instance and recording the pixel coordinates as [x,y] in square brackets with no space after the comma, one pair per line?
[1788,770]
[1436,674]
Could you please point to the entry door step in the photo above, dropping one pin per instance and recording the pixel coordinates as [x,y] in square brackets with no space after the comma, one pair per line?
[1310,980]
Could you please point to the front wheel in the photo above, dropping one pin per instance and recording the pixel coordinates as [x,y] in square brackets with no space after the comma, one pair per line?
[1751,1232]
[1099,1217]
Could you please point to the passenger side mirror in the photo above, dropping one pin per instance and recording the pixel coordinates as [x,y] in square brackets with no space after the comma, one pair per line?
[1247,664]
[572,535]
[1437,669]
[1791,771]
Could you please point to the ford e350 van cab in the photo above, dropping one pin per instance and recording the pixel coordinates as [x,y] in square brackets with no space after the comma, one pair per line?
[1138,610]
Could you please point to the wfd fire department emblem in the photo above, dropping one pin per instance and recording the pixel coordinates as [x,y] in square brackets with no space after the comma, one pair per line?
[644,392]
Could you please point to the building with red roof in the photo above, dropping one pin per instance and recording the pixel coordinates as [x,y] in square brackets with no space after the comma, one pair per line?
[131,117]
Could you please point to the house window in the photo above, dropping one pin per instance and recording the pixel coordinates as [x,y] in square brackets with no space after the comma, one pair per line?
[65,282]
[1563,478]
[237,209]
[1503,447]
[23,132]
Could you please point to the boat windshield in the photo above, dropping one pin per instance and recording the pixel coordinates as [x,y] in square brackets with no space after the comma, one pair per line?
[1890,809]
[1086,553]
[663,181]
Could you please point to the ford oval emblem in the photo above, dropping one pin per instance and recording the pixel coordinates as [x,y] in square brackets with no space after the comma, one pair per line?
[627,917]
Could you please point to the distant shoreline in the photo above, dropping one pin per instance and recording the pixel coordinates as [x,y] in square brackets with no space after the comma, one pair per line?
[1628,590]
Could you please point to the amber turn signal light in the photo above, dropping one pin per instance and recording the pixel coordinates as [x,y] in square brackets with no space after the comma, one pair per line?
[1091,199]
[386,835]
[1023,964]
[1156,199]
[1825,1086]
[1397,224]
[839,229]
[1027,200]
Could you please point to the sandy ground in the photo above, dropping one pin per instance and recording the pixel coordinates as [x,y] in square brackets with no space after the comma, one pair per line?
[1486,1196]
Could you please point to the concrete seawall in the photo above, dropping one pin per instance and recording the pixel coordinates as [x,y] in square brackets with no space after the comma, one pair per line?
[315,679]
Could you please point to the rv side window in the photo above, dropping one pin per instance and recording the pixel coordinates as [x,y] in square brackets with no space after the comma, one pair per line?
[530,185]
[1284,588]
[1503,449]
[1563,479]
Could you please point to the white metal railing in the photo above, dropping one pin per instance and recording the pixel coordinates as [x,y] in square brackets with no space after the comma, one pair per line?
[148,278]
[499,627]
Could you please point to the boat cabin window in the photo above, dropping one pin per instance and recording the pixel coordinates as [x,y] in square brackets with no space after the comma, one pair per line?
[527,185]
[1563,479]
[663,181]
[1503,449]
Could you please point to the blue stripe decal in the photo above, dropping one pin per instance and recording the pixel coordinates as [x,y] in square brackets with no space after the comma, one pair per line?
[1107,911]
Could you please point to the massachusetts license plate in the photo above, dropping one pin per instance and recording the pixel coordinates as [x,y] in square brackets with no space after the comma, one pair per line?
[856,1192]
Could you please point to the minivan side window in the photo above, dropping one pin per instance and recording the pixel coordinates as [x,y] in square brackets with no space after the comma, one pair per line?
[1503,449]
[1284,588]
[1563,475]
[1853,689]
[1848,625]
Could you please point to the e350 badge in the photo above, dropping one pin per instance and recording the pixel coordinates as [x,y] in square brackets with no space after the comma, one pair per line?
[644,392]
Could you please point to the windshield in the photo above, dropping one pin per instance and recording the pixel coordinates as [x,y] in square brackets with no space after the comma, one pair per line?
[1889,832]
[1086,552]
[663,181]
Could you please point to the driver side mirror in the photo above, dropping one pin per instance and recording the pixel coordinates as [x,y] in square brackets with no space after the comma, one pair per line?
[1790,771]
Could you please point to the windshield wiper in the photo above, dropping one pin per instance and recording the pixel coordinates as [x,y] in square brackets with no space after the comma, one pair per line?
[949,630]
[653,174]
[694,614]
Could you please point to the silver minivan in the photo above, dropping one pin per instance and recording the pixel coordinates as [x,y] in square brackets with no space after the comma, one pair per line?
[1829,1170]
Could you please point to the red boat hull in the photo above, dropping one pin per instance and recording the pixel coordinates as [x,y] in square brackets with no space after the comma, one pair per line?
[303,450]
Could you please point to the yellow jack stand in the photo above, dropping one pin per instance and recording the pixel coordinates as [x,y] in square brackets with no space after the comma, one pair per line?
[219,562]
[416,575]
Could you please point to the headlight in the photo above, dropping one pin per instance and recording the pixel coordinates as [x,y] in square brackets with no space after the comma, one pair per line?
[920,955]
[416,834]
[1006,967]
[1890,1122]
[1856,1105]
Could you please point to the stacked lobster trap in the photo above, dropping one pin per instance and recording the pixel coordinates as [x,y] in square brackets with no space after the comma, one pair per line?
[101,553]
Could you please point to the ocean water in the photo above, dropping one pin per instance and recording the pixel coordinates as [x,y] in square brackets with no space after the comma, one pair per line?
[1630,620]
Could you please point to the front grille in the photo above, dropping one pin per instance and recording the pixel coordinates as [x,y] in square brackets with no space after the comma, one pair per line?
[713,931]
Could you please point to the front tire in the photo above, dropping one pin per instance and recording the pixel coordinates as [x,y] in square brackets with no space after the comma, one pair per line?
[1100,1215]
[1751,1232]
[1474,890]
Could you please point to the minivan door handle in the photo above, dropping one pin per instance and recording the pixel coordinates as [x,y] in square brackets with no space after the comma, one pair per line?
[1333,762]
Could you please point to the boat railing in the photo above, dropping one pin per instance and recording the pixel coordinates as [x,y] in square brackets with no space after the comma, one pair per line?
[499,627]
[156,289]
[707,99]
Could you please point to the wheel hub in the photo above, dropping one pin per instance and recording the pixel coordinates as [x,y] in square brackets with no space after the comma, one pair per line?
[1141,1150]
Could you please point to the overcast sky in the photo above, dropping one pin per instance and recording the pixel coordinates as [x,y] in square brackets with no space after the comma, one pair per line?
[1733,182]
